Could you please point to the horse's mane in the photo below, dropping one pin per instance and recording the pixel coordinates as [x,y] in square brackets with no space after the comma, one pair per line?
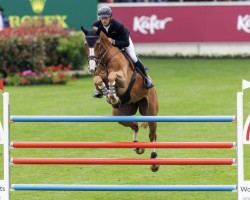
[104,39]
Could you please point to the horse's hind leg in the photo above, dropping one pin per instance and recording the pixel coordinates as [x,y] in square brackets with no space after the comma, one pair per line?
[129,109]
[134,126]
[135,139]
[153,138]
[149,107]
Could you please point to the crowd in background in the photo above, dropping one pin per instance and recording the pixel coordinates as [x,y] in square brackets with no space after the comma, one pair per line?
[140,1]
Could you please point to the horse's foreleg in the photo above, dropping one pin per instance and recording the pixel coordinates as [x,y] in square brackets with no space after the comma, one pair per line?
[101,86]
[120,79]
[114,99]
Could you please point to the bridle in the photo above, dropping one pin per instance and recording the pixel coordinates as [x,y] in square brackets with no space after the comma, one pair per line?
[100,59]
[86,43]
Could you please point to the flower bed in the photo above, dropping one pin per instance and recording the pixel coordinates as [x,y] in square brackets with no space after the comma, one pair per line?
[25,51]
[49,75]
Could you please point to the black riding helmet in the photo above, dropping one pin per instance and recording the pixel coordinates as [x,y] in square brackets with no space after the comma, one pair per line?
[104,12]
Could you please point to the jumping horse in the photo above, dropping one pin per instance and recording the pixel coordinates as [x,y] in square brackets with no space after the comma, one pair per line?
[117,79]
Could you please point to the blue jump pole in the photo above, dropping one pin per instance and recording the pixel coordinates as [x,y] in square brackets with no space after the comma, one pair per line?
[52,187]
[122,118]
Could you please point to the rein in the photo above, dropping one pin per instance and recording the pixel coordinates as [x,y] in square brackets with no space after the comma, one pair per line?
[105,63]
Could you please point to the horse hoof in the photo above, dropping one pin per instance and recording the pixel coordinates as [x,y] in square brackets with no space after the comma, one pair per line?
[139,150]
[153,155]
[108,99]
[154,168]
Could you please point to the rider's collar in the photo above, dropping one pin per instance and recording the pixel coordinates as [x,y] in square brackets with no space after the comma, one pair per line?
[107,27]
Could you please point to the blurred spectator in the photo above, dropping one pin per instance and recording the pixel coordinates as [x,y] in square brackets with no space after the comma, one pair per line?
[4,21]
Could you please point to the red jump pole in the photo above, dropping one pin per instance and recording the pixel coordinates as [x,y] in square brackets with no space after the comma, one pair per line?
[123,144]
[125,161]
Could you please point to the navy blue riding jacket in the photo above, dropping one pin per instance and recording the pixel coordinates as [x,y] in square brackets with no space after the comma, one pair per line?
[117,31]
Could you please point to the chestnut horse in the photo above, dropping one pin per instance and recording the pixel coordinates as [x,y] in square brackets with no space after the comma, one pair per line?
[117,79]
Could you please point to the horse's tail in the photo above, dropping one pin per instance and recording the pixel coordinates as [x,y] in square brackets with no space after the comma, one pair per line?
[144,125]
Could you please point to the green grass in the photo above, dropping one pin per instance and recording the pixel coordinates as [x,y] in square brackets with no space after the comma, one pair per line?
[185,87]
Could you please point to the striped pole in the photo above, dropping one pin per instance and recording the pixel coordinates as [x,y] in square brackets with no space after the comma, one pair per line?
[50,187]
[126,161]
[123,144]
[122,118]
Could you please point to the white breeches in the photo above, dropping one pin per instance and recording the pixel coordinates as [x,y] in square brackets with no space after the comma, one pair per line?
[131,51]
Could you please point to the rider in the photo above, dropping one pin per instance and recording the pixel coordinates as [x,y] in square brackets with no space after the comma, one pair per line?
[119,36]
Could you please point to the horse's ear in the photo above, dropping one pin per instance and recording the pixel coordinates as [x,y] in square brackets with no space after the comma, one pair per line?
[84,30]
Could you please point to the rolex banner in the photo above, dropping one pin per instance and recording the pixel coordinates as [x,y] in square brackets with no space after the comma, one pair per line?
[70,14]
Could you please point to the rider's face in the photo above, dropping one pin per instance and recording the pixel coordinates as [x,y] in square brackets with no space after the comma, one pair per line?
[105,21]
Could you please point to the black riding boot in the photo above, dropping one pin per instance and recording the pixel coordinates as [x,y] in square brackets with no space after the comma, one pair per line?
[97,94]
[147,81]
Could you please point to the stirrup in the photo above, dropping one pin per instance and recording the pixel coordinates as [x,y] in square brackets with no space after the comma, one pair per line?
[97,94]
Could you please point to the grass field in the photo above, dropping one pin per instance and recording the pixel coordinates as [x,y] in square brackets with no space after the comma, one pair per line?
[184,86]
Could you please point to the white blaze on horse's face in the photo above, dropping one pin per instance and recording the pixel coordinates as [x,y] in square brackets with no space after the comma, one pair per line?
[92,62]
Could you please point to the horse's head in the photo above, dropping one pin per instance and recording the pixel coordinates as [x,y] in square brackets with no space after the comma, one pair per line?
[95,47]
[91,40]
